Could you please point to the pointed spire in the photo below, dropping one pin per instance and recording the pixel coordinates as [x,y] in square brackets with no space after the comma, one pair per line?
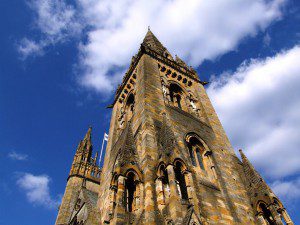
[166,137]
[87,136]
[87,141]
[180,61]
[96,157]
[128,151]
[152,42]
[85,146]
[256,182]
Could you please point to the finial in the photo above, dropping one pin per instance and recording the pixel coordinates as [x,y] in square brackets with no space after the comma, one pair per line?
[96,157]
[88,134]
[148,28]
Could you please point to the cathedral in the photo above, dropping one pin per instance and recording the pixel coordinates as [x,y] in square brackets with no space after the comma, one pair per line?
[168,159]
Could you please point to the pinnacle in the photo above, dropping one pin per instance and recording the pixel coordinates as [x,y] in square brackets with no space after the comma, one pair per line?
[151,41]
[88,134]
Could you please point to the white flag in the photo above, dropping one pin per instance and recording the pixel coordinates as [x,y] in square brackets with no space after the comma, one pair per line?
[105,136]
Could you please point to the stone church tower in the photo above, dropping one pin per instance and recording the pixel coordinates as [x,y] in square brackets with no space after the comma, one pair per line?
[168,159]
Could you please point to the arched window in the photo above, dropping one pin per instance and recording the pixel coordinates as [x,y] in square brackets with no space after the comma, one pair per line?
[196,151]
[176,95]
[165,182]
[266,213]
[130,106]
[180,180]
[163,185]
[130,191]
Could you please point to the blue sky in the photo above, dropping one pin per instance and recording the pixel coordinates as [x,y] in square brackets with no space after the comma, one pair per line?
[60,62]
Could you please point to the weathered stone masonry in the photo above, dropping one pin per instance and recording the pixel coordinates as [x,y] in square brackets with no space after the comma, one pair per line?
[168,159]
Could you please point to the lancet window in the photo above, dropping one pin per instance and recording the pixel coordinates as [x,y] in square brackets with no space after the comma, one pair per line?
[163,185]
[130,192]
[200,156]
[176,95]
[180,180]
[196,151]
[266,214]
[127,110]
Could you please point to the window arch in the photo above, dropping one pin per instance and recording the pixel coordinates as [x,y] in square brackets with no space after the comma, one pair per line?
[132,191]
[130,106]
[130,188]
[176,95]
[196,151]
[266,214]
[180,180]
[162,185]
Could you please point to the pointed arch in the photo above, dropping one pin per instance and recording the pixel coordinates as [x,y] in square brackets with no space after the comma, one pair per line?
[179,169]
[266,213]
[197,150]
[131,185]
[129,105]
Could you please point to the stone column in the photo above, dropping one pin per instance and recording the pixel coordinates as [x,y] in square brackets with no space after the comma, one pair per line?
[275,215]
[119,214]
[286,217]
[174,200]
[188,182]
[212,166]
[149,197]
[191,191]
[260,218]
[137,195]
[112,201]
[160,193]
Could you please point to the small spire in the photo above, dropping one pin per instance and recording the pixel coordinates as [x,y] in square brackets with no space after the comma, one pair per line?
[96,157]
[250,172]
[151,41]
[87,142]
[88,134]
[180,61]
[242,153]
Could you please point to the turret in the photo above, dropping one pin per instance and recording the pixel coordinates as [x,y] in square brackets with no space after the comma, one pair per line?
[84,174]
[266,205]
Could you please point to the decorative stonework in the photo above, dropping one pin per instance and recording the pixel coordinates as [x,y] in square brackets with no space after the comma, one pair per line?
[168,159]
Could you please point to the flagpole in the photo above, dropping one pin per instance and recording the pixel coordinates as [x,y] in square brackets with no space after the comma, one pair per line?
[100,159]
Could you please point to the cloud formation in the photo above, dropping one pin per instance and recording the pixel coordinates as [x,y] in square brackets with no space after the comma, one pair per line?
[56,20]
[287,190]
[195,30]
[17,156]
[259,106]
[37,190]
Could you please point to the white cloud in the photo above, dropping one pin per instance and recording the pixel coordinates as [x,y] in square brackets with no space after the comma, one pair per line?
[29,47]
[195,30]
[259,106]
[287,190]
[56,20]
[17,156]
[37,190]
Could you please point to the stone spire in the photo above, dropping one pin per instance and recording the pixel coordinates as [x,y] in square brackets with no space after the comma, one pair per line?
[88,137]
[252,175]
[256,185]
[85,147]
[128,151]
[166,139]
[87,142]
[180,62]
[83,164]
[152,42]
